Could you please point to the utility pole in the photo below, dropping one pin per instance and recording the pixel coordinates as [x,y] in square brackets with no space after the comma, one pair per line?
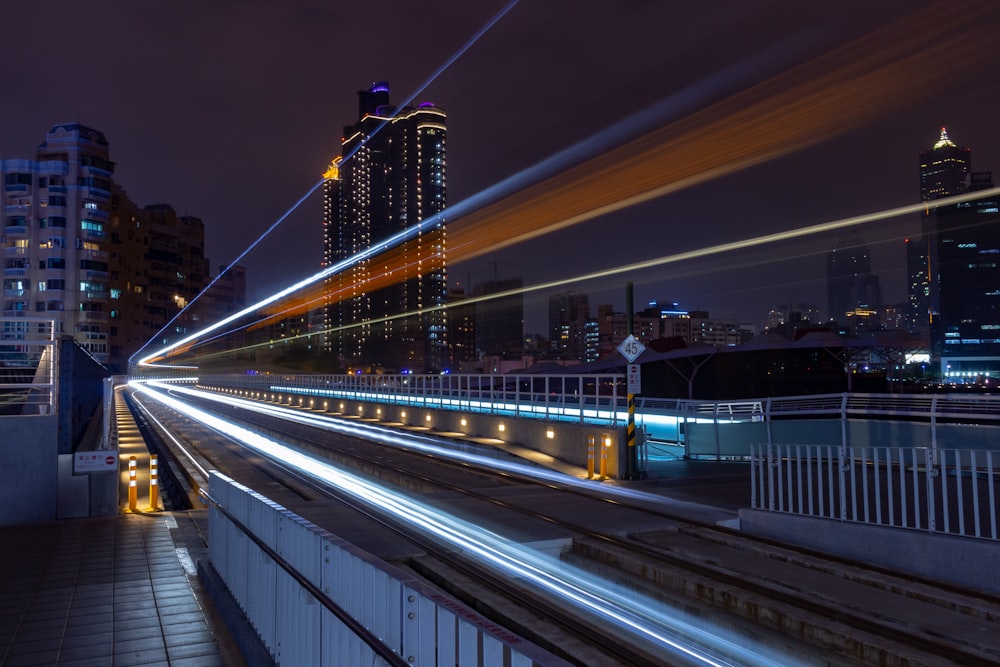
[632,470]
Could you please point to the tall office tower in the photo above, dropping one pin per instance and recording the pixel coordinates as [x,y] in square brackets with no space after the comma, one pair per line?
[53,231]
[850,283]
[943,173]
[387,308]
[500,321]
[568,315]
[966,333]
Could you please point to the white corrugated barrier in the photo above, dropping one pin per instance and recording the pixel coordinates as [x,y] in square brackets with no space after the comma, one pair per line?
[315,599]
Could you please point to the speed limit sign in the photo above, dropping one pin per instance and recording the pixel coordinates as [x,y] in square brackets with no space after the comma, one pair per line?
[631,348]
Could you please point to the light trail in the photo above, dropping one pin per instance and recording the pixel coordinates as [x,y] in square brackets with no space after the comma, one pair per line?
[889,68]
[649,622]
[448,63]
[652,263]
[177,444]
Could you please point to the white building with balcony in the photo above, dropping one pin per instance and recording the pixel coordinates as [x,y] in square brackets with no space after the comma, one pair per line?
[53,234]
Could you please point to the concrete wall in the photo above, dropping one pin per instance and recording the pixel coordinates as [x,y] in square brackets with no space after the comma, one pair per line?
[568,441]
[960,561]
[28,469]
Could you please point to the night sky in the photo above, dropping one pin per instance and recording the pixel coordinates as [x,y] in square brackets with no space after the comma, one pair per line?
[231,111]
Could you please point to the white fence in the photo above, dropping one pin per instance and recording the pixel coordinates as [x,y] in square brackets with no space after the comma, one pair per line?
[316,600]
[946,491]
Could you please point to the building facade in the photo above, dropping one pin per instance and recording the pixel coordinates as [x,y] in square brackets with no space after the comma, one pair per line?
[386,310]
[850,283]
[77,251]
[944,170]
[500,320]
[966,332]
[54,235]
[568,315]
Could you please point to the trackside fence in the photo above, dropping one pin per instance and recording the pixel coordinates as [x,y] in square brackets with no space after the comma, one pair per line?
[947,491]
[581,398]
[317,600]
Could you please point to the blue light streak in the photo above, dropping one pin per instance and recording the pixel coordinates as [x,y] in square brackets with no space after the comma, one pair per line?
[649,622]
[440,70]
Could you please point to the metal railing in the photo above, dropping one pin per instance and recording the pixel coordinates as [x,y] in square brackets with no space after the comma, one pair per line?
[593,399]
[315,599]
[948,491]
[27,366]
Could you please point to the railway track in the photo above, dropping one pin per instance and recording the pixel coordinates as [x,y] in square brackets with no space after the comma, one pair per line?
[817,609]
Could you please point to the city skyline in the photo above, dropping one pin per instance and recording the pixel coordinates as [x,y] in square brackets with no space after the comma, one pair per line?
[241,128]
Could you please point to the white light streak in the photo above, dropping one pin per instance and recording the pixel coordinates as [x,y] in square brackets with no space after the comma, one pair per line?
[645,619]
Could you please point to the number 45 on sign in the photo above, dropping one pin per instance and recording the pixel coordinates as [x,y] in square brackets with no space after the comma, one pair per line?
[631,348]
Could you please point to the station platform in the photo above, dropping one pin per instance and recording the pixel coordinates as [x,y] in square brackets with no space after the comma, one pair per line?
[120,590]
[104,591]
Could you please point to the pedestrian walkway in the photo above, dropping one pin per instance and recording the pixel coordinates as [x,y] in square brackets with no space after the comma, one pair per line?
[107,591]
[112,591]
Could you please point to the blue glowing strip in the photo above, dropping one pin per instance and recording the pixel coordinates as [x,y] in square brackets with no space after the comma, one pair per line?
[556,411]
[630,611]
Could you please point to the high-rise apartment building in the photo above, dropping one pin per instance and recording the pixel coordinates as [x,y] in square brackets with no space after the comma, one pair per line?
[944,170]
[386,310]
[158,268]
[77,251]
[54,236]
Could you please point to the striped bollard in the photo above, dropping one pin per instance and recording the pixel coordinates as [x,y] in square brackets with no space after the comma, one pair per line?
[590,457]
[154,485]
[132,490]
[605,443]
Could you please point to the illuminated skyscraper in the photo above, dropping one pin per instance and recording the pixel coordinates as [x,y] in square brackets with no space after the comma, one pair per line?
[943,173]
[966,332]
[390,176]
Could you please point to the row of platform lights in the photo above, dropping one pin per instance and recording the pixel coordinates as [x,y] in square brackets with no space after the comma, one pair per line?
[501,427]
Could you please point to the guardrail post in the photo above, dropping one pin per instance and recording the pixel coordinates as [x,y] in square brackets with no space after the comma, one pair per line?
[132,490]
[590,457]
[154,485]
[605,444]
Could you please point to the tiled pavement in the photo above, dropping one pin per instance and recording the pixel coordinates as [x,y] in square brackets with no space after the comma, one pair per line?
[109,591]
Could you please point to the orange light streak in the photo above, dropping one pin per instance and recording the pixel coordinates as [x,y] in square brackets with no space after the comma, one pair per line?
[884,71]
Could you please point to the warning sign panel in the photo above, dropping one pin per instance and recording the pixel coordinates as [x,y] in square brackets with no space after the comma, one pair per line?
[634,379]
[95,461]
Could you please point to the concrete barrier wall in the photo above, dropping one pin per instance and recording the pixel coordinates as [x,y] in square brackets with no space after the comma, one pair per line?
[960,561]
[566,441]
[28,469]
[735,439]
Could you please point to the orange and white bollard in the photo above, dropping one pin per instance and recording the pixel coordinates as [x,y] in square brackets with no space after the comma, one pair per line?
[605,444]
[590,457]
[133,499]
[154,486]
